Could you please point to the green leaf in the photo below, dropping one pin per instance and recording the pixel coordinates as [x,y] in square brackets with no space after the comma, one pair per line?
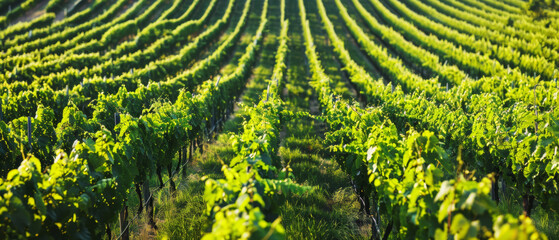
[460,226]
[445,188]
[19,216]
[440,234]
[12,174]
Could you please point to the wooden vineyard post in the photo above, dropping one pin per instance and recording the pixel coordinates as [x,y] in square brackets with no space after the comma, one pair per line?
[184,159]
[123,223]
[29,129]
[495,188]
[180,160]
[123,216]
[527,203]
[148,201]
[190,147]
[200,144]
[139,193]
[268,93]
[503,187]
[117,119]
[173,187]
[375,217]
[108,231]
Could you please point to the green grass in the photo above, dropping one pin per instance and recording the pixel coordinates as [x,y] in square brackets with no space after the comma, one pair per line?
[546,221]
[332,210]
[183,215]
[321,215]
